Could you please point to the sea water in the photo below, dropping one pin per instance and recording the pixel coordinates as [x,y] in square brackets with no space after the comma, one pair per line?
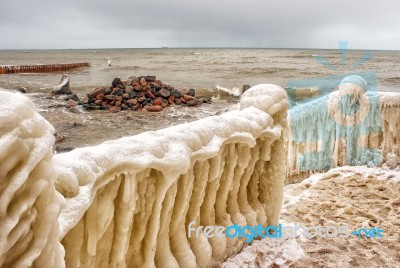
[215,72]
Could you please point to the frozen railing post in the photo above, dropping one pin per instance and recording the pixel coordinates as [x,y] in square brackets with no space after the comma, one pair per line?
[356,115]
[29,202]
[272,99]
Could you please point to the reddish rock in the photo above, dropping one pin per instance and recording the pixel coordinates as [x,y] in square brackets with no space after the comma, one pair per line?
[104,103]
[183,91]
[128,89]
[117,103]
[135,84]
[116,82]
[137,88]
[149,94]
[193,102]
[108,91]
[171,99]
[155,85]
[183,100]
[159,82]
[95,92]
[131,80]
[150,78]
[142,82]
[110,97]
[178,101]
[132,101]
[125,96]
[157,101]
[188,97]
[133,94]
[115,109]
[141,99]
[118,98]
[155,108]
[165,93]
[176,93]
[100,96]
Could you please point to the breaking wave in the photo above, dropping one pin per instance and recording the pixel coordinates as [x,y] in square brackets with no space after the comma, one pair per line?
[236,92]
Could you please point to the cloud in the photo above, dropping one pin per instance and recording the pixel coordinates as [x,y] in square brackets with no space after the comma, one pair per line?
[235,23]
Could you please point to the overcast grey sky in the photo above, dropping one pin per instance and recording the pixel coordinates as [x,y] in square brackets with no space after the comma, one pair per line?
[42,24]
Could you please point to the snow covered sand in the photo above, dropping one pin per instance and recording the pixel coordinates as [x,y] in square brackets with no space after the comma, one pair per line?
[352,196]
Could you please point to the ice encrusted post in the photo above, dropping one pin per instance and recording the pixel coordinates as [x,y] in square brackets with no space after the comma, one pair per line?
[29,203]
[272,99]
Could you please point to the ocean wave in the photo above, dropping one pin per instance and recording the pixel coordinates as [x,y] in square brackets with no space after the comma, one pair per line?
[236,92]
[263,71]
[205,92]
[393,79]
[303,56]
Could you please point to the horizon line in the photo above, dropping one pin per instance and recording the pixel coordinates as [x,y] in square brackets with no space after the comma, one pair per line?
[199,47]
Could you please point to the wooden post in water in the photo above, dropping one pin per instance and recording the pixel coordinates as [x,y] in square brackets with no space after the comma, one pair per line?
[47,68]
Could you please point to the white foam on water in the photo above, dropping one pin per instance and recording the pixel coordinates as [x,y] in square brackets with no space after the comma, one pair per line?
[231,91]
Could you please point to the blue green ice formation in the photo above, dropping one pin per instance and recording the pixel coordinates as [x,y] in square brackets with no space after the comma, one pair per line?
[323,119]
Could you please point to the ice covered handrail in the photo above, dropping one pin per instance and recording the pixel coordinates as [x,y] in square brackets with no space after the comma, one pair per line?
[128,202]
[216,171]
[351,126]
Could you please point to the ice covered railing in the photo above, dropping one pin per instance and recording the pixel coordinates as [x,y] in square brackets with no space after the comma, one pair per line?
[128,202]
[351,126]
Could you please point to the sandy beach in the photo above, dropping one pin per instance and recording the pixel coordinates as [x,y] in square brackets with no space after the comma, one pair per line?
[351,196]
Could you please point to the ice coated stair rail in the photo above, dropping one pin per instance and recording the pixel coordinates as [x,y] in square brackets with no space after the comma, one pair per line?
[351,126]
[41,68]
[127,202]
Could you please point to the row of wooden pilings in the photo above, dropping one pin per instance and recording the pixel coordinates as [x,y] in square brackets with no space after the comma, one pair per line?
[42,68]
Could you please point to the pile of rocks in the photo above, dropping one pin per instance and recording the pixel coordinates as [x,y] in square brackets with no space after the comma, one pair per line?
[137,93]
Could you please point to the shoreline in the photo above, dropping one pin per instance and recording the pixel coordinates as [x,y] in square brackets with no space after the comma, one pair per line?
[218,171]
